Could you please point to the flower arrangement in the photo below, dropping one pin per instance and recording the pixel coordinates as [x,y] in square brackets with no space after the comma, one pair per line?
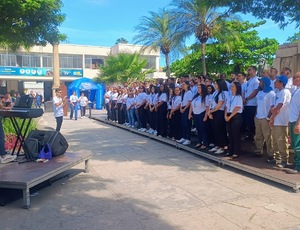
[10,140]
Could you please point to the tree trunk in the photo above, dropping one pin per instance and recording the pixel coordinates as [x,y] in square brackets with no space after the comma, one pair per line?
[168,65]
[203,46]
[56,75]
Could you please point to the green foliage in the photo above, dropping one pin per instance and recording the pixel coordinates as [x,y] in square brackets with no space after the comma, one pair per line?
[245,52]
[293,39]
[9,129]
[30,22]
[283,12]
[204,21]
[123,68]
[121,41]
[161,30]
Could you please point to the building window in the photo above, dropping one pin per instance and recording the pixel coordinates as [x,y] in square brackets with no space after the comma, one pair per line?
[70,61]
[24,60]
[93,62]
[47,61]
[7,59]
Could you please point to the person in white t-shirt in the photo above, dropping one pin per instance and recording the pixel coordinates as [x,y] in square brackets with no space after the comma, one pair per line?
[162,110]
[265,101]
[233,115]
[83,102]
[73,105]
[58,105]
[107,97]
[279,122]
[175,115]
[272,76]
[198,111]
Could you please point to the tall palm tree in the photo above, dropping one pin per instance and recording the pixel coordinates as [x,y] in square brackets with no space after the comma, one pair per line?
[160,30]
[200,18]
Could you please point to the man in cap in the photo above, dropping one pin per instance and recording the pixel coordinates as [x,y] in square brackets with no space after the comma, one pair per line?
[279,122]
[265,100]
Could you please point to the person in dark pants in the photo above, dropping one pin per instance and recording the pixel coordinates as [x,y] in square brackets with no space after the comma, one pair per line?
[216,114]
[162,109]
[107,97]
[211,139]
[113,99]
[198,111]
[140,104]
[152,113]
[233,115]
[175,115]
[186,98]
[58,104]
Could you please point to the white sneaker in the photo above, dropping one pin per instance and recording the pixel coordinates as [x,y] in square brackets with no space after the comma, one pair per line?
[219,151]
[7,158]
[186,142]
[132,126]
[193,130]
[155,132]
[211,145]
[152,131]
[180,141]
[143,129]
[213,149]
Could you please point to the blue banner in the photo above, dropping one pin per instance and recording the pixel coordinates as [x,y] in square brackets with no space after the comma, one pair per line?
[17,71]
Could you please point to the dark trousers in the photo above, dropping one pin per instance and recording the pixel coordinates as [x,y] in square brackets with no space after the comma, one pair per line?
[107,107]
[2,139]
[175,125]
[249,114]
[120,113]
[152,119]
[124,111]
[113,111]
[162,120]
[186,125]
[59,121]
[219,128]
[234,128]
[201,127]
[82,110]
[142,116]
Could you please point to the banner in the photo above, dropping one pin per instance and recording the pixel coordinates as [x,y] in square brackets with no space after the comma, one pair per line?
[17,71]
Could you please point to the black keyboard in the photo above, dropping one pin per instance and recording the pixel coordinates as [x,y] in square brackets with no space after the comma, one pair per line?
[22,113]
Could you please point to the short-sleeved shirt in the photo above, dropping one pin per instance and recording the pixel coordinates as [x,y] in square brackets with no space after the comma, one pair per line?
[83,101]
[221,97]
[58,110]
[130,101]
[124,98]
[199,106]
[282,118]
[73,99]
[107,94]
[290,86]
[176,100]
[252,84]
[264,103]
[141,97]
[233,102]
[114,96]
[294,107]
[188,96]
[162,97]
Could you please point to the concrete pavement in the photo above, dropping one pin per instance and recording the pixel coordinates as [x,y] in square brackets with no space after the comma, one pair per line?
[138,183]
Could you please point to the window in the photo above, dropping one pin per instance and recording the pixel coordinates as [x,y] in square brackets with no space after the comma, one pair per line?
[7,59]
[47,61]
[31,60]
[93,62]
[70,61]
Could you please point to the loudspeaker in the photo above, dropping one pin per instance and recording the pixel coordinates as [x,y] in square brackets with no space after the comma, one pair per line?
[55,139]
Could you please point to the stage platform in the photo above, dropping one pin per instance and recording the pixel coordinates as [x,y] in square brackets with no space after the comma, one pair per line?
[247,162]
[29,174]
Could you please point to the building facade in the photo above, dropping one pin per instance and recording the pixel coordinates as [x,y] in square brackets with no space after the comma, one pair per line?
[32,70]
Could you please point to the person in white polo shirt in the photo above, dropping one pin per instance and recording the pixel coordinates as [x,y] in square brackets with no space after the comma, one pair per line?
[265,101]
[294,118]
[279,122]
[73,105]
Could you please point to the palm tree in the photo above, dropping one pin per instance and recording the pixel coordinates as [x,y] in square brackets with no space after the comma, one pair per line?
[200,18]
[160,30]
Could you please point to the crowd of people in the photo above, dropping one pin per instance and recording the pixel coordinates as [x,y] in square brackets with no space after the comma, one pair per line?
[264,110]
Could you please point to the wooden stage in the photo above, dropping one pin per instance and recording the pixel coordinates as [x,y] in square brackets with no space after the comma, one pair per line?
[29,174]
[247,162]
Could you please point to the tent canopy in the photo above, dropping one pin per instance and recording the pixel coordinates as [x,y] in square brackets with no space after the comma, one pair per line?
[82,84]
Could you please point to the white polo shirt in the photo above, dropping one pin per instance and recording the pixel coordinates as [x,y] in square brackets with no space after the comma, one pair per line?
[294,107]
[140,97]
[199,106]
[264,103]
[73,98]
[162,97]
[107,94]
[130,101]
[282,118]
[222,97]
[252,84]
[188,96]
[58,110]
[290,86]
[234,101]
[176,100]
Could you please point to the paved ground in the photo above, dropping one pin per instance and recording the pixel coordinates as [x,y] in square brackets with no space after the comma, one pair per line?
[136,183]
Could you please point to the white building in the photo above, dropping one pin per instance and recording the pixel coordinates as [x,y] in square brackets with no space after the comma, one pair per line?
[20,69]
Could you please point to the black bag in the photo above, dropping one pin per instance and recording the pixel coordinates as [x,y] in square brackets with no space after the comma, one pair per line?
[56,141]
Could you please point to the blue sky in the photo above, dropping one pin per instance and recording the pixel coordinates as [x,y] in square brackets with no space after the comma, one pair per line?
[102,22]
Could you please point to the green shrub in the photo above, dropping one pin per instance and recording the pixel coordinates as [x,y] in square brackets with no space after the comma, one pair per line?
[9,129]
